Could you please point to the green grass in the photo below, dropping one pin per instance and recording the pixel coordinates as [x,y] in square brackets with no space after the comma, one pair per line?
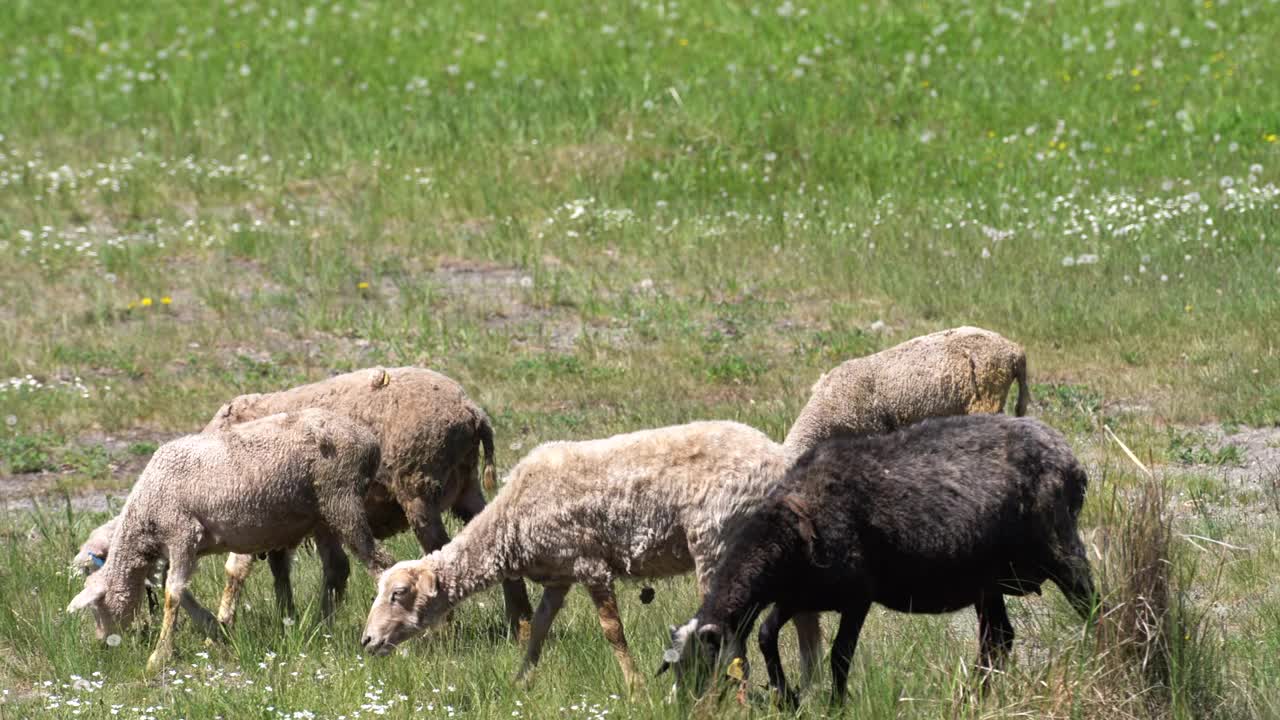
[604,217]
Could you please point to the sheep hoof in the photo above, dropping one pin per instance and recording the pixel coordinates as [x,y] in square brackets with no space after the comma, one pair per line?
[646,595]
[786,699]
[156,663]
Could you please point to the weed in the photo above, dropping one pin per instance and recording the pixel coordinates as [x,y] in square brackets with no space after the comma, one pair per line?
[27,453]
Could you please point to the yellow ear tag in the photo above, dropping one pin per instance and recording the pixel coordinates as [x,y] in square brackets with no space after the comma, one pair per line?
[735,670]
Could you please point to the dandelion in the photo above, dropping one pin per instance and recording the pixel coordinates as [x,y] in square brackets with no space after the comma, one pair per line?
[145,302]
[166,300]
[113,640]
[287,621]
[1271,137]
[245,71]
[362,285]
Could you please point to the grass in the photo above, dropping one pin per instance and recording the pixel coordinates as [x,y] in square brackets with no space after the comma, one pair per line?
[605,217]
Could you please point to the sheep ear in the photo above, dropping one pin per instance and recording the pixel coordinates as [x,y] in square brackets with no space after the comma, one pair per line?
[425,582]
[711,635]
[91,595]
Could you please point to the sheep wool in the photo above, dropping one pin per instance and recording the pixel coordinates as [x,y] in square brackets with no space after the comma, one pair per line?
[960,371]
[251,488]
[640,505]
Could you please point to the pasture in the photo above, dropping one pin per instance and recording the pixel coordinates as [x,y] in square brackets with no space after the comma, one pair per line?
[609,216]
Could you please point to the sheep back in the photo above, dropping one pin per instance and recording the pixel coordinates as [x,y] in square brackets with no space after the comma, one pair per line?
[258,485]
[930,512]
[635,503]
[424,421]
[951,372]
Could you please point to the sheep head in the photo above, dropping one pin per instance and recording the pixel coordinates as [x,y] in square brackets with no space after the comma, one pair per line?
[410,600]
[697,649]
[113,605]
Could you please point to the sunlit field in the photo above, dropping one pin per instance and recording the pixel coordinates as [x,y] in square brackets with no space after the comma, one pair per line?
[611,216]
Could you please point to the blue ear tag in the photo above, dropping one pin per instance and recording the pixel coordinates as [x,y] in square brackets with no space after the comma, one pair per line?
[97,559]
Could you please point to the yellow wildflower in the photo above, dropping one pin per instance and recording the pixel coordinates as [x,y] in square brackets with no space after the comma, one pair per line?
[684,42]
[166,300]
[1270,137]
[1188,308]
[145,302]
[362,285]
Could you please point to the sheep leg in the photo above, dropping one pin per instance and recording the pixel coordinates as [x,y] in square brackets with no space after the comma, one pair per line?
[842,648]
[344,518]
[514,596]
[181,564]
[281,563]
[995,633]
[552,601]
[611,624]
[809,634]
[411,493]
[209,625]
[768,639]
[336,570]
[237,569]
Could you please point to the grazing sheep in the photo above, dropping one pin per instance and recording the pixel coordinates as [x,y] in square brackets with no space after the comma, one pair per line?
[961,371]
[642,505]
[257,486]
[429,431]
[941,515]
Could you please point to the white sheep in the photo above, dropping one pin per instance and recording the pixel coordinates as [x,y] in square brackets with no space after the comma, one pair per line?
[641,505]
[960,371]
[257,486]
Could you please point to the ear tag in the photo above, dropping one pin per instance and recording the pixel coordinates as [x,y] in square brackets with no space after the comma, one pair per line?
[735,670]
[97,559]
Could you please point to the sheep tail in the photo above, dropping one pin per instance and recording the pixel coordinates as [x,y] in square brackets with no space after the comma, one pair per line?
[489,478]
[1024,391]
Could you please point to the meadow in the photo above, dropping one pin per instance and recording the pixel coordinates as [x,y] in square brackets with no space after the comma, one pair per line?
[607,216]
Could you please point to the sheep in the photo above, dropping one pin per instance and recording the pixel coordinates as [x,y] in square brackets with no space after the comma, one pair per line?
[257,486]
[960,371]
[640,505]
[938,516]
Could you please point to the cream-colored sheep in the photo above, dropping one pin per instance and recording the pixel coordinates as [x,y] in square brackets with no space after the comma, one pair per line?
[641,505]
[257,486]
[430,433]
[960,371]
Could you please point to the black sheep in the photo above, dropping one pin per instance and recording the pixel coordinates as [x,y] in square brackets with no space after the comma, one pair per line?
[943,514]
